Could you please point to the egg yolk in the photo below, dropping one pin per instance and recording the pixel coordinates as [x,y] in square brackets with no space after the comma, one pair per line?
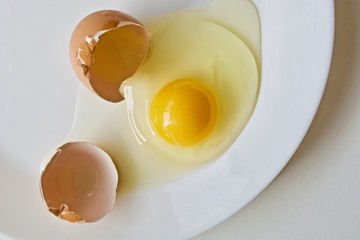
[184,112]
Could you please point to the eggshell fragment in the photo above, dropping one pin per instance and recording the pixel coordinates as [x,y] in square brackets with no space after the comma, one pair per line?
[79,183]
[106,48]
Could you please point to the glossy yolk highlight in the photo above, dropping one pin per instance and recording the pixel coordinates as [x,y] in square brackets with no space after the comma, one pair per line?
[184,112]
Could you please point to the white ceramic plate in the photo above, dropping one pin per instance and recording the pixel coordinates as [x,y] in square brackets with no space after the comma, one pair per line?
[35,75]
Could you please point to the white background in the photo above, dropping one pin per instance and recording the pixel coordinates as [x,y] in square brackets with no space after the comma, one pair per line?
[317,195]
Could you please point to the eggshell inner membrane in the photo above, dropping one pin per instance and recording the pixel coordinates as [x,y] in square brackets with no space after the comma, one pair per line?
[79,183]
[106,48]
[116,57]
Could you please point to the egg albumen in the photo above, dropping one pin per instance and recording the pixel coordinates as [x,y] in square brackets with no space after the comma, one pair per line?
[190,49]
[217,48]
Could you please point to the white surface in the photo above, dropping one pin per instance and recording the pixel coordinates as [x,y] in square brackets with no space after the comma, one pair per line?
[317,195]
[36,75]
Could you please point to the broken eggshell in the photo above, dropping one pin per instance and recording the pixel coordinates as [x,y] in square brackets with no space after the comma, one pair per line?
[106,48]
[79,182]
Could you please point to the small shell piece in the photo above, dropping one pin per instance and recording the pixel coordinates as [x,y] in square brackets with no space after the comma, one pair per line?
[106,48]
[79,183]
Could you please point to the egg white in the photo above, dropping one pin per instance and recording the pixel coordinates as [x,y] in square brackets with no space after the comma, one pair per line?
[197,47]
[234,37]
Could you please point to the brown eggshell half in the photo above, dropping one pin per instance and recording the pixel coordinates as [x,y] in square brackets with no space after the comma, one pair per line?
[88,34]
[79,183]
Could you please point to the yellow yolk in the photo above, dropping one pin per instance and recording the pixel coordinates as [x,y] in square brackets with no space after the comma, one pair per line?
[184,112]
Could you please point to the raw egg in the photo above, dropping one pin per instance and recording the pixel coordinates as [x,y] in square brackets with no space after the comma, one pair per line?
[190,81]
[197,89]
[106,48]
